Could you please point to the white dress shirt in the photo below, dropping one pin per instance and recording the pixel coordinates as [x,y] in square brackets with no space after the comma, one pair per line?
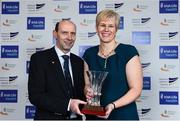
[60,54]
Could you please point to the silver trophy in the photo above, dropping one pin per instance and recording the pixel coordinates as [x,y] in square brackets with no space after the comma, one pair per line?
[96,79]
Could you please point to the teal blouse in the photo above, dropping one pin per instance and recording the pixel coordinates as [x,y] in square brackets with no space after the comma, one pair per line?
[115,85]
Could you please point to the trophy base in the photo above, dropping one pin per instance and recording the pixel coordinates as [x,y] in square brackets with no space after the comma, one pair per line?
[93,110]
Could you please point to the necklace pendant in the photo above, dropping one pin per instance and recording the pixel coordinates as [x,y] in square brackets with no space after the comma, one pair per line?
[105,63]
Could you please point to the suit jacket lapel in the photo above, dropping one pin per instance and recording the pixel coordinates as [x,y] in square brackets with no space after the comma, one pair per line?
[58,69]
[74,72]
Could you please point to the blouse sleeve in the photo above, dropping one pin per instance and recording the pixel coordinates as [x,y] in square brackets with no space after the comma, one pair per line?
[131,52]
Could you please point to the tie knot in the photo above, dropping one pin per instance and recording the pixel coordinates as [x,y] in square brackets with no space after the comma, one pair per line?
[65,57]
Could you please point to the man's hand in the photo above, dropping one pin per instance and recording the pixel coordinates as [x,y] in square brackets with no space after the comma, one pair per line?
[74,106]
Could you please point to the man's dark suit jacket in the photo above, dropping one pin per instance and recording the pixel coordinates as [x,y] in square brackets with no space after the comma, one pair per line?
[46,84]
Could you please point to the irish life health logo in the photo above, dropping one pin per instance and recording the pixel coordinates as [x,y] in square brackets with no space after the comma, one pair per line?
[87,7]
[8,96]
[168,6]
[168,98]
[10,7]
[121,23]
[36,23]
[168,52]
[9,51]
[146,83]
[30,112]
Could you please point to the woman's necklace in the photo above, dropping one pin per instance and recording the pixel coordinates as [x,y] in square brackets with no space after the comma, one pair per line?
[107,55]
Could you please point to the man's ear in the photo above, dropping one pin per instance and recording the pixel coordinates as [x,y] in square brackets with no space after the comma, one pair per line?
[54,34]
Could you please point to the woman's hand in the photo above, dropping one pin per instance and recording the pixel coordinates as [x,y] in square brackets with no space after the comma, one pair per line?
[109,108]
[88,93]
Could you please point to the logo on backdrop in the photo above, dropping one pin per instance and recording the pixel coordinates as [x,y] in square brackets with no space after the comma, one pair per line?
[141,22]
[35,7]
[9,51]
[30,51]
[6,110]
[30,112]
[27,66]
[8,96]
[168,98]
[141,37]
[167,67]
[168,114]
[36,23]
[54,21]
[8,66]
[88,36]
[87,22]
[82,49]
[114,6]
[10,7]
[169,22]
[91,34]
[168,52]
[121,23]
[9,36]
[118,6]
[168,36]
[144,112]
[34,37]
[61,8]
[168,6]
[87,7]
[140,8]
[7,80]
[146,83]
[9,22]
[170,82]
[145,65]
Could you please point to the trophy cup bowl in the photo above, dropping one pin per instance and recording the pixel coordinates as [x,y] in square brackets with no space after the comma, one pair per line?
[93,106]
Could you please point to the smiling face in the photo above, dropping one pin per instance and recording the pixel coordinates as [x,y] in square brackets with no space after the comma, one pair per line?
[65,35]
[106,29]
[107,24]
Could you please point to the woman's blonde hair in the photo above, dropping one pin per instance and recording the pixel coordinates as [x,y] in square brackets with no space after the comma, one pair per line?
[105,14]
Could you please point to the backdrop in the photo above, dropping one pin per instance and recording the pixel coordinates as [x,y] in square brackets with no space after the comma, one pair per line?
[151,25]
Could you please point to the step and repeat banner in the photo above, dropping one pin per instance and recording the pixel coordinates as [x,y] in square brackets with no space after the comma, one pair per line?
[152,26]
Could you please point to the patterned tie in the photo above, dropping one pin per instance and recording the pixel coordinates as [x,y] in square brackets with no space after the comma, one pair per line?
[67,75]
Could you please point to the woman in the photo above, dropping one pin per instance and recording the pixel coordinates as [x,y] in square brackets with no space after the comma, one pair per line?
[123,84]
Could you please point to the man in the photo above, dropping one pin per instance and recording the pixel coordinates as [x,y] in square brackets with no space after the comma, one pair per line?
[54,94]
